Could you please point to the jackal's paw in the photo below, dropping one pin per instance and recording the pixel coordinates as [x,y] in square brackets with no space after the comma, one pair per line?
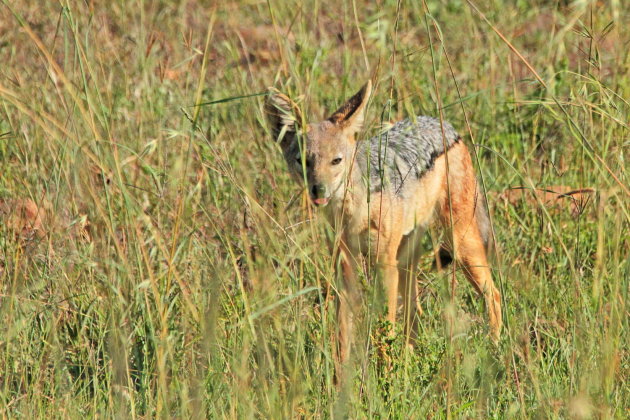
[495,335]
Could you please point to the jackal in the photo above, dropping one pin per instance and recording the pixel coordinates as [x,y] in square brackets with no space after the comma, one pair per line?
[381,194]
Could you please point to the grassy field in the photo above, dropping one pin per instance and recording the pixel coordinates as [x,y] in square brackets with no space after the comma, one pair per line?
[157,261]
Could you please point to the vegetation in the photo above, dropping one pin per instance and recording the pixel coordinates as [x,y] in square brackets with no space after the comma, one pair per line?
[157,261]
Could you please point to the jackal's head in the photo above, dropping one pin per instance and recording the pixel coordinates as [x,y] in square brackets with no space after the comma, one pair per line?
[320,153]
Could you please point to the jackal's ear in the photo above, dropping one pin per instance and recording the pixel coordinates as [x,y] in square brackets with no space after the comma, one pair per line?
[352,113]
[283,115]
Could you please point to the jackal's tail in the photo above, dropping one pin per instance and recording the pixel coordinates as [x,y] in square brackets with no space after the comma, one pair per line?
[483,219]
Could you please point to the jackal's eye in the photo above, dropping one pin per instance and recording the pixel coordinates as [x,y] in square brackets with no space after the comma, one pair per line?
[336,161]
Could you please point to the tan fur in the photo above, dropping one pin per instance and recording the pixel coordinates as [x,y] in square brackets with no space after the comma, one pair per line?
[387,229]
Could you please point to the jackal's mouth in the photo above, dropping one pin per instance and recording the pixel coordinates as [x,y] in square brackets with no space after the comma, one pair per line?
[320,201]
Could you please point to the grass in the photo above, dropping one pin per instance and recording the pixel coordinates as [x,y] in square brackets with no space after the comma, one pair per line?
[177,271]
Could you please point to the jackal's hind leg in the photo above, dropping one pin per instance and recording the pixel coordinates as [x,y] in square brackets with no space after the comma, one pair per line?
[470,252]
[461,210]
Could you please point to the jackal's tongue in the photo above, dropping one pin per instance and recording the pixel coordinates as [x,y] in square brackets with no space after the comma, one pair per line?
[320,201]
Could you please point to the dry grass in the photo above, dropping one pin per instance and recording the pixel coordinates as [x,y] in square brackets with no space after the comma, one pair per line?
[176,271]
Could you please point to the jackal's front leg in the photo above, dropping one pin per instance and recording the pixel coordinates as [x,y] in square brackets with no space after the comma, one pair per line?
[409,253]
[387,262]
[389,273]
[347,307]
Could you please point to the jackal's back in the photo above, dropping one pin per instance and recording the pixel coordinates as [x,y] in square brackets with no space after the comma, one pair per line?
[404,153]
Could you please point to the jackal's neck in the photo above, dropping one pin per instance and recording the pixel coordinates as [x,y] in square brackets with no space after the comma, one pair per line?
[358,174]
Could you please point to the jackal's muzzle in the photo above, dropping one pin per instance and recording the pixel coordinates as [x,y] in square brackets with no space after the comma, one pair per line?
[319,194]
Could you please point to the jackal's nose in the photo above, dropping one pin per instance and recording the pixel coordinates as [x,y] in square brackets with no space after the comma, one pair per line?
[319,195]
[318,191]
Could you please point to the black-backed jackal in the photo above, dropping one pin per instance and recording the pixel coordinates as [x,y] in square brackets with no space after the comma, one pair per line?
[381,193]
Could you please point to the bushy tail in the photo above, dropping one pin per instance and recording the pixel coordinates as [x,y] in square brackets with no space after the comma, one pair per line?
[483,220]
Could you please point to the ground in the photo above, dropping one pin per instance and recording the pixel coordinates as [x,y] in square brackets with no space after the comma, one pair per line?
[156,260]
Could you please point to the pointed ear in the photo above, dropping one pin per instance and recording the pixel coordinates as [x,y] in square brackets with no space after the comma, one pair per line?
[283,115]
[352,114]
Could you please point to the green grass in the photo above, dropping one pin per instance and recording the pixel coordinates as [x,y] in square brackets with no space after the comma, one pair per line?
[178,270]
